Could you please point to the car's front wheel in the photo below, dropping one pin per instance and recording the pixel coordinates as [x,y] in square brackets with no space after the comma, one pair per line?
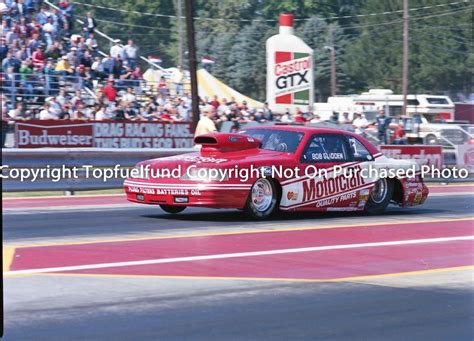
[380,196]
[172,209]
[263,199]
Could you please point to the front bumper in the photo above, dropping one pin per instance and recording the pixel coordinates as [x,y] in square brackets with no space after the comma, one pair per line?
[196,194]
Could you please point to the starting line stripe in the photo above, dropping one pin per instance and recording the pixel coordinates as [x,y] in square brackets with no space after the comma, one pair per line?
[8,252]
[272,279]
[234,255]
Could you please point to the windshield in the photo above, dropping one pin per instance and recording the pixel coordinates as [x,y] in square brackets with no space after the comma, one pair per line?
[436,100]
[277,140]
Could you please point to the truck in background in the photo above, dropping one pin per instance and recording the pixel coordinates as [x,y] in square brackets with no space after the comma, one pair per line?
[430,119]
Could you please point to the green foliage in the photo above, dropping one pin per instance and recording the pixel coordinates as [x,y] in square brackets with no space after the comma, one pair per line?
[322,37]
[440,48]
[246,71]
[368,48]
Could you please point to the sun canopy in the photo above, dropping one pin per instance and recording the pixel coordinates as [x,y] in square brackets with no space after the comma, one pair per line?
[209,86]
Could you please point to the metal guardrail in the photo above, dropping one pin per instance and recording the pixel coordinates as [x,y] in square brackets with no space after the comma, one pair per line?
[75,157]
[34,91]
[449,143]
[41,86]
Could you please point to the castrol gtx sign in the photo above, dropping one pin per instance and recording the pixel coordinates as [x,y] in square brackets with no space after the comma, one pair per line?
[292,78]
[289,69]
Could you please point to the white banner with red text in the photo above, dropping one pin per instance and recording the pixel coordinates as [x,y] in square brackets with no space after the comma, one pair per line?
[465,156]
[424,154]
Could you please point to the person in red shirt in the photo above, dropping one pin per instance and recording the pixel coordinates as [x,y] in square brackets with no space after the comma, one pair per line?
[399,135]
[215,103]
[299,118]
[137,73]
[165,116]
[110,92]
[38,59]
[244,106]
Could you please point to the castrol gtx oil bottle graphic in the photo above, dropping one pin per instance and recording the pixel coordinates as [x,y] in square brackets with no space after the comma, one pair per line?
[289,70]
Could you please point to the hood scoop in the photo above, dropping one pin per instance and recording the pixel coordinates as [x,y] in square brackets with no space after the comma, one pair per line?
[223,142]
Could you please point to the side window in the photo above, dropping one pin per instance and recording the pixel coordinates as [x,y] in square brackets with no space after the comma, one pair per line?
[326,148]
[359,152]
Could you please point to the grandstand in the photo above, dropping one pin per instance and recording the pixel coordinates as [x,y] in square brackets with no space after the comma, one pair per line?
[54,68]
[47,53]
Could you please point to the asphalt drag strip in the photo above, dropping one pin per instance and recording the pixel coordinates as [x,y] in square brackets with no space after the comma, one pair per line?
[137,273]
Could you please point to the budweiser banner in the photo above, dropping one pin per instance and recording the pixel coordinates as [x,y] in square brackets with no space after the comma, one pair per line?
[424,155]
[64,134]
[102,134]
[465,156]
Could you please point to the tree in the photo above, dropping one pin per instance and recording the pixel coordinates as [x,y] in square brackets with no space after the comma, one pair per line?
[440,48]
[222,44]
[247,61]
[322,37]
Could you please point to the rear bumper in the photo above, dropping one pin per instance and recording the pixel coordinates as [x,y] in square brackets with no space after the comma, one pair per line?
[201,195]
[415,192]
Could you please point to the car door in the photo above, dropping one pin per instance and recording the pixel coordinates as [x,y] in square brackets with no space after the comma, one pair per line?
[364,162]
[316,187]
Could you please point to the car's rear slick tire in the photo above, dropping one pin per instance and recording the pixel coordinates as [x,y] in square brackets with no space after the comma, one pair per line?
[380,196]
[172,209]
[263,199]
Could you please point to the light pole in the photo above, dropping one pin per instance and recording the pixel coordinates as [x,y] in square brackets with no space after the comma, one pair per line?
[333,69]
[180,33]
[192,61]
[333,61]
[405,55]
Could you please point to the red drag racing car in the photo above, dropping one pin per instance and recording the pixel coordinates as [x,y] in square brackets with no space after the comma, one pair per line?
[265,169]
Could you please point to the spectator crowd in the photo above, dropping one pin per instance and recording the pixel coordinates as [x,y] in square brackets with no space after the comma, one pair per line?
[52,68]
[215,113]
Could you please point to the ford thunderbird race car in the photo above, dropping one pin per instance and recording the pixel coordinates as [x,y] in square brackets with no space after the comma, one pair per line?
[262,170]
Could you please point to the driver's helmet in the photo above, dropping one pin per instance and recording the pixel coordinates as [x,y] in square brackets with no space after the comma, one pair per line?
[273,141]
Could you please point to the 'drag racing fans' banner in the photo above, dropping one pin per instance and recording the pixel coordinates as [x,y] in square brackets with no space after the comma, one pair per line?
[102,134]
[424,155]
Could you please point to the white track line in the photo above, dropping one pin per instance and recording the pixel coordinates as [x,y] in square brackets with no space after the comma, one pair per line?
[233,255]
[431,195]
